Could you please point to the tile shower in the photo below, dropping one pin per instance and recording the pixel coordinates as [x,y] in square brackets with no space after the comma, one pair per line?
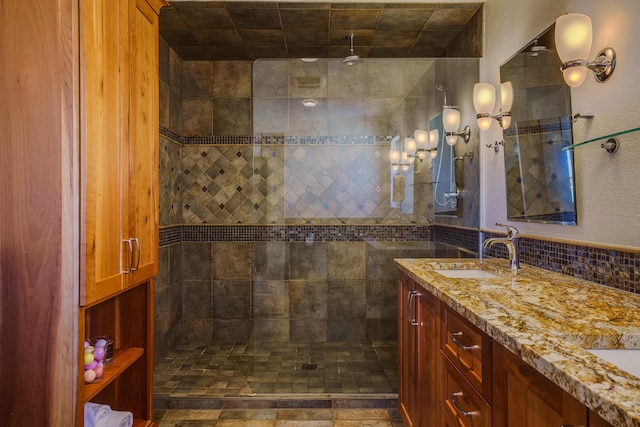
[279,233]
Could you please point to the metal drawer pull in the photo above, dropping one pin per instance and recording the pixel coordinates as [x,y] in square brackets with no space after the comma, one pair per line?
[410,314]
[452,399]
[135,239]
[453,336]
[130,244]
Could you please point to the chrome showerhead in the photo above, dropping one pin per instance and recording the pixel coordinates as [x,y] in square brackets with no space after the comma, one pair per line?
[352,59]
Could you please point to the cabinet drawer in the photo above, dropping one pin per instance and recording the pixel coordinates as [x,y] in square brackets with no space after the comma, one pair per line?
[462,404]
[469,349]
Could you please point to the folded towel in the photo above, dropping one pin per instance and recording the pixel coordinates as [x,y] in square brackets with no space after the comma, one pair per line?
[398,189]
[119,419]
[96,415]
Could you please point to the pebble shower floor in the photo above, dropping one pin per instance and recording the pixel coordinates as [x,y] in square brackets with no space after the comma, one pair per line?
[235,369]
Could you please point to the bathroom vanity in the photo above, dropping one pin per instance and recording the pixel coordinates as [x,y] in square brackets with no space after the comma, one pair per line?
[484,346]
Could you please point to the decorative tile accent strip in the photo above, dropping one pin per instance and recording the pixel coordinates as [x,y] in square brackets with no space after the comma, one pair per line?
[220,140]
[557,124]
[273,139]
[292,233]
[614,268]
[170,134]
[460,237]
[170,235]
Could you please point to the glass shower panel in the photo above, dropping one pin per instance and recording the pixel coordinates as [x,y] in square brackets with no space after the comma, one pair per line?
[324,307]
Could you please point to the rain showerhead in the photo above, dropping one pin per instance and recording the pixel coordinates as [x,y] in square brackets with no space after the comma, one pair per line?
[352,59]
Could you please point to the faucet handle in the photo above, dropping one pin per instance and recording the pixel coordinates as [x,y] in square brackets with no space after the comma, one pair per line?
[511,230]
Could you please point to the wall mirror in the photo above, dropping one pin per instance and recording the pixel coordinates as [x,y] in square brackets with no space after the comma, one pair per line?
[539,175]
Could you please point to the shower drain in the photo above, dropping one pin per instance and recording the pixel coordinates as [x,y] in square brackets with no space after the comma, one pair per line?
[309,366]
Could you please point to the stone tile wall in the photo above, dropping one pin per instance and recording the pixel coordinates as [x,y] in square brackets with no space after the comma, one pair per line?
[281,291]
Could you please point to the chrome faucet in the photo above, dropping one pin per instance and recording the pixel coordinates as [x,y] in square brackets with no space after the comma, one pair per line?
[511,242]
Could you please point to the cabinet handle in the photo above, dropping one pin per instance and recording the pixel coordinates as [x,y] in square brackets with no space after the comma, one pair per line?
[453,336]
[130,244]
[410,314]
[452,399]
[135,239]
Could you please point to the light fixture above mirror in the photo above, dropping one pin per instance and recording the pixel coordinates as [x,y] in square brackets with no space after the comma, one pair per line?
[451,123]
[484,99]
[573,37]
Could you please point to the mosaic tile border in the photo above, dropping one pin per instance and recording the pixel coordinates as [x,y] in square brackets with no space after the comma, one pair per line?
[615,268]
[466,238]
[276,139]
[170,134]
[543,126]
[292,233]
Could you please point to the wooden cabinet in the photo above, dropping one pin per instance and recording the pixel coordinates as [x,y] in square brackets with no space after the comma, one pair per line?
[418,363]
[466,389]
[119,137]
[463,405]
[524,397]
[118,204]
[468,349]
[452,374]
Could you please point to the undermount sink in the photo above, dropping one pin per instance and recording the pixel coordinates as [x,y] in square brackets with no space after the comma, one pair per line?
[627,360]
[466,274]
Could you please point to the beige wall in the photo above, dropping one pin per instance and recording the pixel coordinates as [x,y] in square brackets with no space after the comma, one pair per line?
[607,185]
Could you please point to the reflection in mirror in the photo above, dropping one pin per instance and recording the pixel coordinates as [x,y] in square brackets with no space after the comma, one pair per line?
[443,172]
[539,175]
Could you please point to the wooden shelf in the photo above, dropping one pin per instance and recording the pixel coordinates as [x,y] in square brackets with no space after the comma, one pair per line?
[122,359]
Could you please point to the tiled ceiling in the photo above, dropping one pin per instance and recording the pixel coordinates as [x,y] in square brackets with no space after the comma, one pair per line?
[215,30]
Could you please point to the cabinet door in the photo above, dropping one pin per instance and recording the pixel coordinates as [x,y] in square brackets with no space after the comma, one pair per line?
[524,397]
[101,154]
[408,352]
[418,350]
[142,154]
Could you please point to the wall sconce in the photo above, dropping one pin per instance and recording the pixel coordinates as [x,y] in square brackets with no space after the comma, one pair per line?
[310,103]
[399,160]
[451,122]
[423,142]
[573,35]
[484,99]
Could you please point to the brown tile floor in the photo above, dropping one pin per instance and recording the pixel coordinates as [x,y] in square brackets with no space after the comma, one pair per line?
[218,370]
[279,418]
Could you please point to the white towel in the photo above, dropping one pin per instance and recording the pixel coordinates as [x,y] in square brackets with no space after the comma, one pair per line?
[119,419]
[96,415]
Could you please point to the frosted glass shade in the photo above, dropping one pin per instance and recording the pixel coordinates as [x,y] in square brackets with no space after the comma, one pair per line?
[451,122]
[574,76]
[506,122]
[506,96]
[410,145]
[434,135]
[573,36]
[422,138]
[484,99]
[394,156]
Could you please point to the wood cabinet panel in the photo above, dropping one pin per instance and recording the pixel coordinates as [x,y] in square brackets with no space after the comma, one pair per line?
[419,355]
[119,146]
[524,397]
[462,403]
[101,116]
[142,165]
[119,198]
[469,349]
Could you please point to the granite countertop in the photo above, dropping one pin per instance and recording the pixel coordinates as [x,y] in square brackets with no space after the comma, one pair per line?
[548,319]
